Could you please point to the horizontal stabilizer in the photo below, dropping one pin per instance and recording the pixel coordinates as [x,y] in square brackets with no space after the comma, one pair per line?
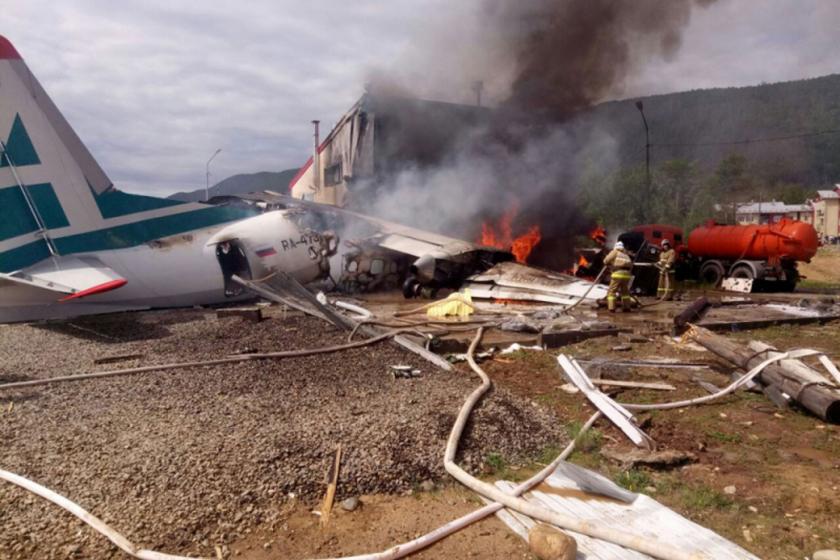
[72,277]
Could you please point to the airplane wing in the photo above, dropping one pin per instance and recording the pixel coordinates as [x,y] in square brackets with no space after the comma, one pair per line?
[397,237]
[441,261]
[68,277]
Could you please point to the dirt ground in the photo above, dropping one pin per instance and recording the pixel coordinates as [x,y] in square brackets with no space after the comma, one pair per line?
[186,460]
[765,478]
[781,467]
[824,268]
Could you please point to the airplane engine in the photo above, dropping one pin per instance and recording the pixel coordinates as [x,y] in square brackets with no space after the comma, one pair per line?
[258,246]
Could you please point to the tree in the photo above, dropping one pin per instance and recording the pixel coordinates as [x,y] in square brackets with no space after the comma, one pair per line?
[675,185]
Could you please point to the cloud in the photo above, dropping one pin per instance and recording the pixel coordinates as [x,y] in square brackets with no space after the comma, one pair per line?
[154,87]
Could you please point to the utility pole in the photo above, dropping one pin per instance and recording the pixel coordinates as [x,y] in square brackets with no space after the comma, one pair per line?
[640,106]
[478,87]
[207,176]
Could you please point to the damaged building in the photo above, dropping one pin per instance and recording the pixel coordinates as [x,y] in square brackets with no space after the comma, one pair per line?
[378,137]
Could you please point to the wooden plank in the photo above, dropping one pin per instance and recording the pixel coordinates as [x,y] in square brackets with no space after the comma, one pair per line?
[329,498]
[820,400]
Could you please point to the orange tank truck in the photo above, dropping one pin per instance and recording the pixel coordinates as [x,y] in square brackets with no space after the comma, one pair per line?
[762,252]
[787,239]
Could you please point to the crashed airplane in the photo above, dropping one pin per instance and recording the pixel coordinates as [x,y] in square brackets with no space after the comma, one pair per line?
[72,244]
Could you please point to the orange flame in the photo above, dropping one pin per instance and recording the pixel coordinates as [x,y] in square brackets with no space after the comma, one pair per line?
[502,237]
[582,261]
[598,235]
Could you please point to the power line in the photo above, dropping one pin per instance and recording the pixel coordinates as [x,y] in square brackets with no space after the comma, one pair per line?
[748,140]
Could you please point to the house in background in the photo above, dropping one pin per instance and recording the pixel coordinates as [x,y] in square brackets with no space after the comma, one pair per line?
[827,212]
[380,136]
[772,212]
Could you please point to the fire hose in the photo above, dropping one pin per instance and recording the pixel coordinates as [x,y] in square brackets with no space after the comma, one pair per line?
[632,541]
[217,361]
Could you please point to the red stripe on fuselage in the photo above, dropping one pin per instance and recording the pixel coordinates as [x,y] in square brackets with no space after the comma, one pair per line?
[7,50]
[101,288]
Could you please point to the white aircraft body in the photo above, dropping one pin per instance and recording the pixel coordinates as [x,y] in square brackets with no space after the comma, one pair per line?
[71,244]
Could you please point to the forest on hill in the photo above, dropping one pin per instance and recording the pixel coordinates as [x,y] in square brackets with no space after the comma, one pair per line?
[719,146]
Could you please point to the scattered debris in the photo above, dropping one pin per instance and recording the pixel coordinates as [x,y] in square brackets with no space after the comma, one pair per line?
[455,305]
[634,384]
[656,459]
[404,372]
[520,324]
[611,409]
[821,399]
[516,347]
[743,285]
[332,484]
[513,281]
[691,314]
[642,515]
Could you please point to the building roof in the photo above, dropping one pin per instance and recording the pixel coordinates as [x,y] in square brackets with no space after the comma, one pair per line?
[773,207]
[828,194]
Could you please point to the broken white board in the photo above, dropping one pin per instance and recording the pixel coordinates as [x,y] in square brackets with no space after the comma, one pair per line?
[607,504]
[617,414]
[743,285]
[509,280]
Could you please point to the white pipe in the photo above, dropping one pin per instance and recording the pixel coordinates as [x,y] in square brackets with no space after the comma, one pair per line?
[357,309]
[734,386]
[641,544]
[97,524]
[218,361]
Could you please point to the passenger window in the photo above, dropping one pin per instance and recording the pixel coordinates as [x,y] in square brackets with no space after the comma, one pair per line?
[657,234]
[352,266]
[377,266]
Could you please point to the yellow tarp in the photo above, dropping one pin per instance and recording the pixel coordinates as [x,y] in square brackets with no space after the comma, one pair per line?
[457,304]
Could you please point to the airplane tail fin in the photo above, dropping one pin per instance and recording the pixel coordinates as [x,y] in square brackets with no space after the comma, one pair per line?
[46,173]
[55,199]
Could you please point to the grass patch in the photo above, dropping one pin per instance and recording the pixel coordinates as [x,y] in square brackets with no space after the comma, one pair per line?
[591,440]
[546,399]
[548,454]
[634,480]
[499,468]
[496,463]
[724,437]
[702,497]
[816,285]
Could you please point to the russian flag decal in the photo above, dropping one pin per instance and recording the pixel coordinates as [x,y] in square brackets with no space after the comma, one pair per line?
[267,252]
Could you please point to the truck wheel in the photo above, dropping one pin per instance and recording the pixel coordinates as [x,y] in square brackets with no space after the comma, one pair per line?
[711,273]
[744,271]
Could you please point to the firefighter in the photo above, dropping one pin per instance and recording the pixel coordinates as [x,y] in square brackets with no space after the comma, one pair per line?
[666,271]
[621,264]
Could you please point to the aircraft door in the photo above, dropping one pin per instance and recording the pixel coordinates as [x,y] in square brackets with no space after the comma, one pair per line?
[233,261]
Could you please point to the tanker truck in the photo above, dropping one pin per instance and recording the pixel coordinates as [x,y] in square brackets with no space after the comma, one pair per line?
[764,253]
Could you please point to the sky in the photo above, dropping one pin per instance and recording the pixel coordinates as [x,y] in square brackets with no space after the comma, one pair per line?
[155,87]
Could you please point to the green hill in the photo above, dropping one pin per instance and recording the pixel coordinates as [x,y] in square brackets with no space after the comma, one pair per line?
[711,146]
[243,183]
[704,126]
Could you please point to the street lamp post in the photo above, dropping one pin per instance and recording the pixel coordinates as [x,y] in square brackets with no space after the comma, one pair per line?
[640,106]
[207,176]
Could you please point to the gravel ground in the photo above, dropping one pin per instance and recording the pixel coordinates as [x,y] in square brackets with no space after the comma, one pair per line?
[185,460]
